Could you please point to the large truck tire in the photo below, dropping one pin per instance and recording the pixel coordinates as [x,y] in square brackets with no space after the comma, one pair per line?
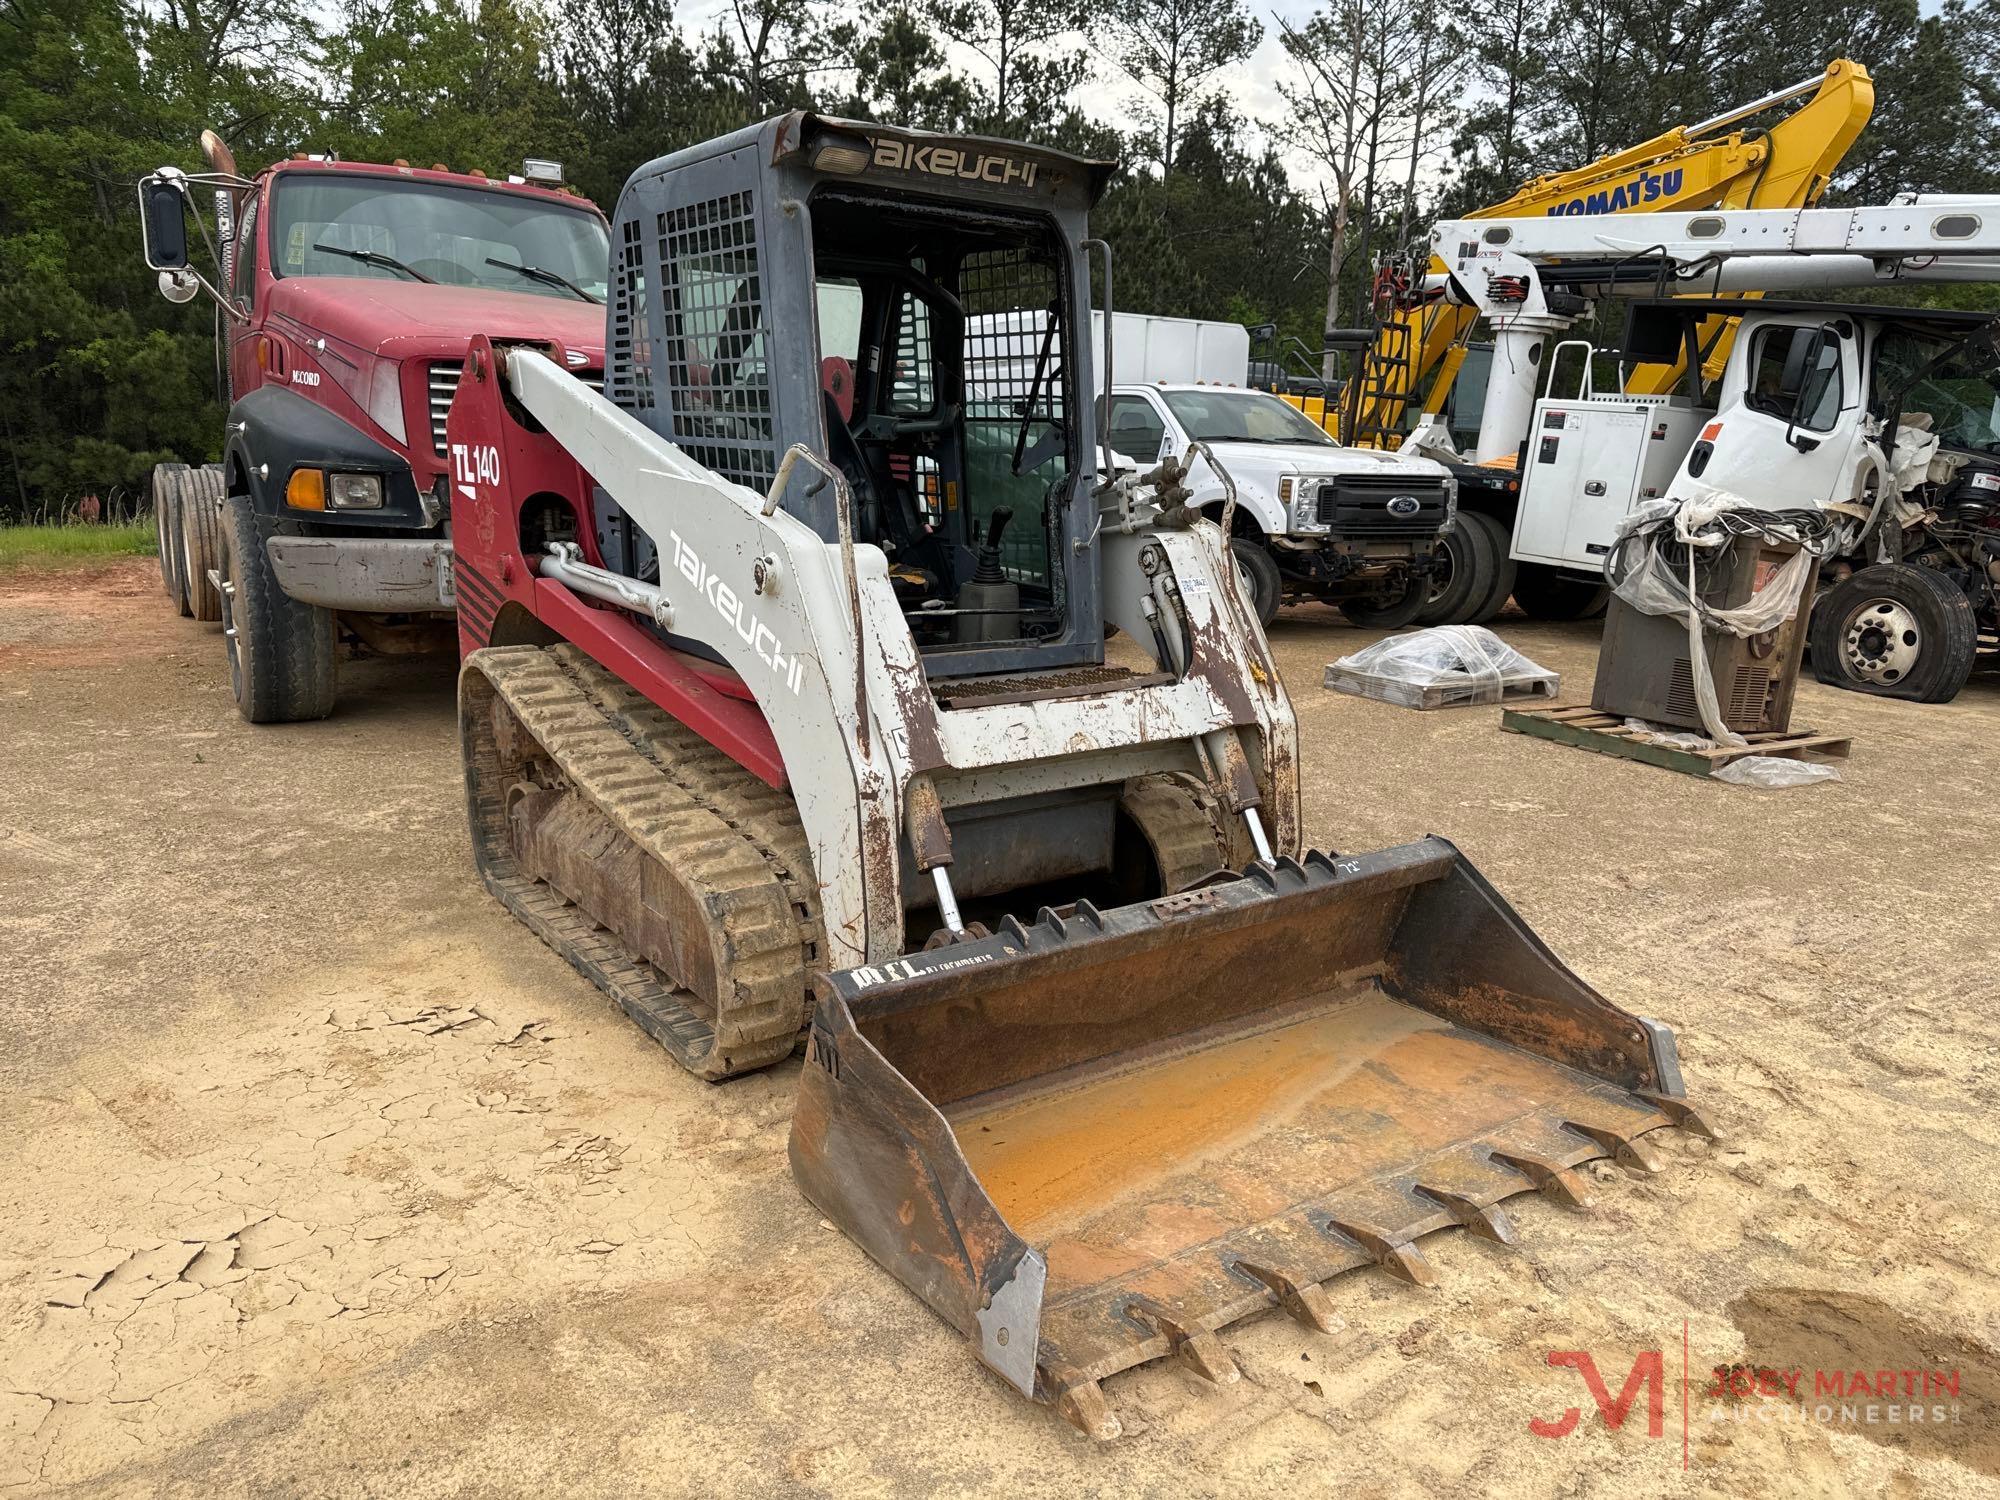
[281,664]
[165,487]
[1499,539]
[1259,571]
[200,504]
[1897,631]
[1546,593]
[1464,580]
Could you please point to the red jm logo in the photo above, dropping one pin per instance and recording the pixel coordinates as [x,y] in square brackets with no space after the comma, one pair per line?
[1648,1370]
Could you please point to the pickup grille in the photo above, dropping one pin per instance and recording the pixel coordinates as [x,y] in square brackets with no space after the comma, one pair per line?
[443,385]
[1358,506]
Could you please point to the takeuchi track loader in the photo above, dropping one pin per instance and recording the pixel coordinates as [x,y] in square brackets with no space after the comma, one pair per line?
[787,707]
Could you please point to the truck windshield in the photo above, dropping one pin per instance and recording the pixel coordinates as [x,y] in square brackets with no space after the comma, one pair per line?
[1961,395]
[1225,416]
[385,228]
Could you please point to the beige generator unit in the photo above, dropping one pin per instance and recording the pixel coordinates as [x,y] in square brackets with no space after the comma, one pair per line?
[1647,670]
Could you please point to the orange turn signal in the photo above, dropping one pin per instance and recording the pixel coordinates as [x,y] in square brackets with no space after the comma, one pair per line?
[306,490]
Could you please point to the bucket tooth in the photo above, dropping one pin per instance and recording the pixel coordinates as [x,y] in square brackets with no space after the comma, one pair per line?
[1633,1153]
[1403,1261]
[1680,1112]
[1552,1178]
[1304,1299]
[1083,1406]
[1197,1348]
[1483,1219]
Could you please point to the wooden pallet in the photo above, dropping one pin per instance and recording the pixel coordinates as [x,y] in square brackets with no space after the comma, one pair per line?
[1606,734]
[1514,686]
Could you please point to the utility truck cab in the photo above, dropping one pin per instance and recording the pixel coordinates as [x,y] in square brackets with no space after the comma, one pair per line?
[1889,414]
[349,293]
[1356,527]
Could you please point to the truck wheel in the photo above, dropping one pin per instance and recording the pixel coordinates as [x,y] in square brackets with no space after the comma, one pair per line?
[166,486]
[1897,631]
[1546,593]
[1259,572]
[1499,539]
[281,667]
[200,495]
[1389,611]
[1465,576]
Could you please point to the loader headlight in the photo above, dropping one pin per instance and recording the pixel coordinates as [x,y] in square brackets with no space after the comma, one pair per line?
[845,154]
[354,492]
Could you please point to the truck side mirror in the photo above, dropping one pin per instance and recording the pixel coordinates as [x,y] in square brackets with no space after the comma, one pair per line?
[163,223]
[1812,389]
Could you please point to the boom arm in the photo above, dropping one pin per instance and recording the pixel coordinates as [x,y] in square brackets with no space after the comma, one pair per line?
[1688,167]
[1502,268]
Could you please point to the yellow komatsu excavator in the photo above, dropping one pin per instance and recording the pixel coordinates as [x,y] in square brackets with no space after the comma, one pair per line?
[1420,343]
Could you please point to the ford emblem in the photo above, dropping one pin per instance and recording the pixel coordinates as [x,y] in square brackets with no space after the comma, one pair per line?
[1404,505]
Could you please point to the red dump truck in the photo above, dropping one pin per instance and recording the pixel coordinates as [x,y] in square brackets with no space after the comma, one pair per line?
[348,293]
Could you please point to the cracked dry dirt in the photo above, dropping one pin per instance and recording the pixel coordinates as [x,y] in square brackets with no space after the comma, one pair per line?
[321,1177]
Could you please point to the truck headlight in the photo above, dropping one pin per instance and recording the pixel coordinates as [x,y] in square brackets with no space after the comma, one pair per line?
[354,492]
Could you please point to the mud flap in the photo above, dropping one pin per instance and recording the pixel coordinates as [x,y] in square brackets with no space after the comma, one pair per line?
[1094,1140]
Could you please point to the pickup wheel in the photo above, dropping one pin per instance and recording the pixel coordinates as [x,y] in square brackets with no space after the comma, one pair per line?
[281,667]
[166,487]
[1546,593]
[1389,611]
[1897,631]
[1259,572]
[1464,576]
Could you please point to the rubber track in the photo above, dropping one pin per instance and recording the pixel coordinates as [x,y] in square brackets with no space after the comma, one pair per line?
[1185,826]
[717,830]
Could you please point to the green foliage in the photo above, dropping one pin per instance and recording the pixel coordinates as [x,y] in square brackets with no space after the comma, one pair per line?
[38,546]
[100,378]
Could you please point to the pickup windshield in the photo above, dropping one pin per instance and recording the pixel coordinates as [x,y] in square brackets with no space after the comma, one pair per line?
[1225,416]
[386,228]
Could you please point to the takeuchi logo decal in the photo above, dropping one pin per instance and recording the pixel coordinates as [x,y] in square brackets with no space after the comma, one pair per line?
[1645,187]
[955,161]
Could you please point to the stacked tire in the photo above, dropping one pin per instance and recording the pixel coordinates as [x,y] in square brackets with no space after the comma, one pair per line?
[187,524]
[167,525]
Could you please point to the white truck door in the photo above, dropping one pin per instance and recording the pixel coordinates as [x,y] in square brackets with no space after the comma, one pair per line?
[1580,478]
[1786,425]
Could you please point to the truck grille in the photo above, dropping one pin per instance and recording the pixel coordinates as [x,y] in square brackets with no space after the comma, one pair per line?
[443,385]
[1358,506]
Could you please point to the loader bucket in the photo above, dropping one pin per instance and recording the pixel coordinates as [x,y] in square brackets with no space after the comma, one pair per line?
[1092,1141]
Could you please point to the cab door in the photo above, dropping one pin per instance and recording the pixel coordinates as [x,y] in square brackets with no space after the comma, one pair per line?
[1788,419]
[245,262]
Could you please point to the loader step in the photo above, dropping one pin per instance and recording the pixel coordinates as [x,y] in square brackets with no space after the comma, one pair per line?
[1590,729]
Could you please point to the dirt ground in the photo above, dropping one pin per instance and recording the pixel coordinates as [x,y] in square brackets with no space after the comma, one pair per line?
[320,1176]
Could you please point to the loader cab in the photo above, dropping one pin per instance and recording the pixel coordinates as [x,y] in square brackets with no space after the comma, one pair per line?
[915,310]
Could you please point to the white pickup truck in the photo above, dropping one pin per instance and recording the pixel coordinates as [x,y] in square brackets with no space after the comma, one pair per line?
[1314,520]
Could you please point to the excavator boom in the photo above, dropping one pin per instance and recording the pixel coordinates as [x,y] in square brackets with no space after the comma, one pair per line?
[1688,167]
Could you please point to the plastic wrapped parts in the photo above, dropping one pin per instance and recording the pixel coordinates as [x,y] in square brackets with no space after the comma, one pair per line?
[1444,667]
